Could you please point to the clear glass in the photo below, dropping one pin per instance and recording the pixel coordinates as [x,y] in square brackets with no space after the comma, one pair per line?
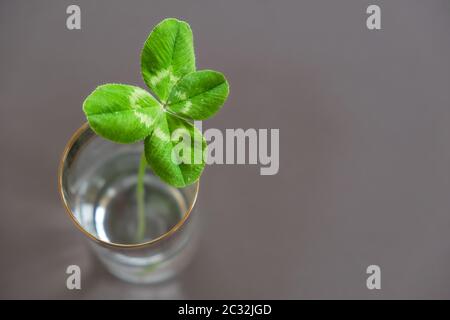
[98,185]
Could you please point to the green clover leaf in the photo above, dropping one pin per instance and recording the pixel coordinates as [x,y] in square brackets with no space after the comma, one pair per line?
[198,95]
[175,150]
[168,55]
[121,113]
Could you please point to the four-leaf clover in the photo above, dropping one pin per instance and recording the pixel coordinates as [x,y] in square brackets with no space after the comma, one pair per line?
[127,114]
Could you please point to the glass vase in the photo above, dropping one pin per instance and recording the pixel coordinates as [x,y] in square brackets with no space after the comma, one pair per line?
[97,181]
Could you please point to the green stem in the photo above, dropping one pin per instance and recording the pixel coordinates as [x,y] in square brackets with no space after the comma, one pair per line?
[140,197]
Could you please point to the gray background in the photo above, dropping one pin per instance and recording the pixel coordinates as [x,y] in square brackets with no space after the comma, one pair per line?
[364,153]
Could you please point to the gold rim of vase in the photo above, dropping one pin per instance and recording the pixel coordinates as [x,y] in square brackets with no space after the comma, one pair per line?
[167,234]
